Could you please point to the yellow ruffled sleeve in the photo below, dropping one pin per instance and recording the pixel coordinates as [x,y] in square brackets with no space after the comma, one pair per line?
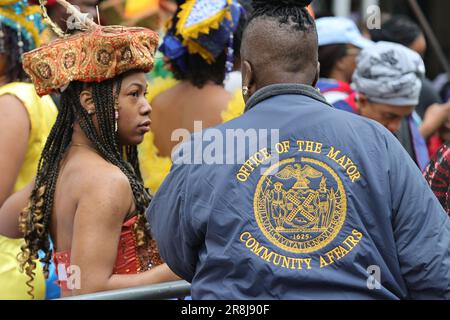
[235,107]
[158,86]
[154,168]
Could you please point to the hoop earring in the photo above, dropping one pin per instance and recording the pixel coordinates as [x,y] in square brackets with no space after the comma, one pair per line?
[245,91]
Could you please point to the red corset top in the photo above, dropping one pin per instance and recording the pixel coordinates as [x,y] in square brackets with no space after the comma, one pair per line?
[130,259]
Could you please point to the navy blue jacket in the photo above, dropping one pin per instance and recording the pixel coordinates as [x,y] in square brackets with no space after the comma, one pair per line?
[331,208]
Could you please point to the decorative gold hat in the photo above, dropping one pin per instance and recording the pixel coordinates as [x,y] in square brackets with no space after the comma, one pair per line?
[94,55]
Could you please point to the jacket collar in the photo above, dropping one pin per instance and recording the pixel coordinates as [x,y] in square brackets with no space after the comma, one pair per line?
[282,89]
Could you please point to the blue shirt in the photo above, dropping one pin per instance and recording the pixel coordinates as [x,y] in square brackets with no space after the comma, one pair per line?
[331,208]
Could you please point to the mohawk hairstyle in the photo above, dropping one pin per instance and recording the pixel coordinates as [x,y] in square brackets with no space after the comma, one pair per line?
[286,11]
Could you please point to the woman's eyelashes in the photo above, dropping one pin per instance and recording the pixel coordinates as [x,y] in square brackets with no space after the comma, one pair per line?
[138,93]
[134,94]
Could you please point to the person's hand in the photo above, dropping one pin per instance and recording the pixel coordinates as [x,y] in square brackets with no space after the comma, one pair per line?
[435,117]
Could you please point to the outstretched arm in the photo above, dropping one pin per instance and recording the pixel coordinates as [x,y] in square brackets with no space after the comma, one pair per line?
[14,133]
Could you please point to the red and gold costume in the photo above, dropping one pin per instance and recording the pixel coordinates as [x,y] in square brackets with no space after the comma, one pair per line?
[131,259]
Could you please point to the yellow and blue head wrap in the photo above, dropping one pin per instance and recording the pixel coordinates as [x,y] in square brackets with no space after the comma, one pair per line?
[203,27]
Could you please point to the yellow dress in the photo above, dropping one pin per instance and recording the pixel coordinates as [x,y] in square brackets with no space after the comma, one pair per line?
[155,168]
[42,113]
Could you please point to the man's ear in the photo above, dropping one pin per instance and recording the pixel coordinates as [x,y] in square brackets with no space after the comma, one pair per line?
[248,79]
[87,101]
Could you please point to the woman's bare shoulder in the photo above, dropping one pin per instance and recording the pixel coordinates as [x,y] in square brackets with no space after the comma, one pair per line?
[111,201]
[100,183]
[104,175]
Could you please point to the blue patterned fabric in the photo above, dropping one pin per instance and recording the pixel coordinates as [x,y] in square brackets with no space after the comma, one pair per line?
[203,10]
[173,49]
[176,46]
[19,9]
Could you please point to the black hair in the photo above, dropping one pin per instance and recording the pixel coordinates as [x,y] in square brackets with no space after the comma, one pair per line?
[13,51]
[398,29]
[35,219]
[198,71]
[329,55]
[282,32]
[286,11]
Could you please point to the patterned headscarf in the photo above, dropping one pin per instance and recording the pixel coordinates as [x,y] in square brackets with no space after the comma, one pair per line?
[202,27]
[389,73]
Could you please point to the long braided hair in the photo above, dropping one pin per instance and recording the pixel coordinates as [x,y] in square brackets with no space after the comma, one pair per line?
[35,219]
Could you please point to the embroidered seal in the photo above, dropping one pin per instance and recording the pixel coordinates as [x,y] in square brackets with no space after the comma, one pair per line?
[300,205]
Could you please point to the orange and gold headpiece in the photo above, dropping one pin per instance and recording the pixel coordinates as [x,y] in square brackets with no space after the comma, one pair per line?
[96,54]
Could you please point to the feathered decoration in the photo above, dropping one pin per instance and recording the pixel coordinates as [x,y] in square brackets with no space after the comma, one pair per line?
[80,20]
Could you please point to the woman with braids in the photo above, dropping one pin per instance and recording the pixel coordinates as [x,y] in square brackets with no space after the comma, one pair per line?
[88,195]
[25,122]
[309,211]
[200,47]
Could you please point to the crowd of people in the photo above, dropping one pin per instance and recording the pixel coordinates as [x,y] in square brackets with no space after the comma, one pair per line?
[118,170]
